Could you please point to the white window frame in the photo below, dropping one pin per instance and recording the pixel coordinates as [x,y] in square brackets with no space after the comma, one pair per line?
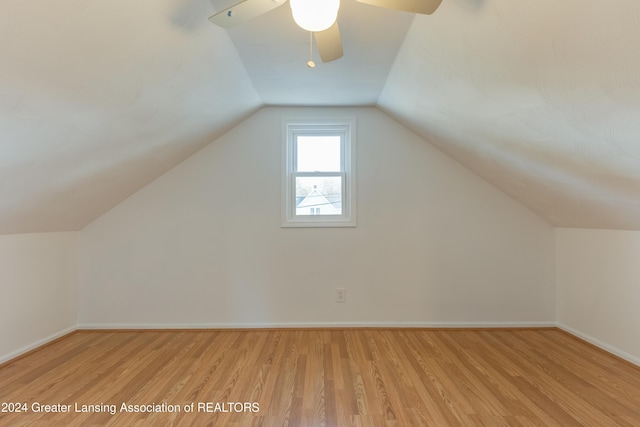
[346,129]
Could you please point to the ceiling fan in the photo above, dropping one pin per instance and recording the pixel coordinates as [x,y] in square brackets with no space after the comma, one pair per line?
[316,16]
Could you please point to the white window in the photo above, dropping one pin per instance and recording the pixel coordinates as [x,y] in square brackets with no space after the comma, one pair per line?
[319,174]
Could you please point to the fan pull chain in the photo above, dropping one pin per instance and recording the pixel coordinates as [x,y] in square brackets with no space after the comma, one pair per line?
[311,64]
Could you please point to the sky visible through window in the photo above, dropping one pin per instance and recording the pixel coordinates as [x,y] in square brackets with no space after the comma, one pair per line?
[318,153]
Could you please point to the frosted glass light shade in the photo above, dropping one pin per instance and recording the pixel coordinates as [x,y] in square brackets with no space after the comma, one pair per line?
[315,15]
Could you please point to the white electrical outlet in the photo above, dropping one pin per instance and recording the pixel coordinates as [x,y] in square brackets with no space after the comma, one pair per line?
[341,295]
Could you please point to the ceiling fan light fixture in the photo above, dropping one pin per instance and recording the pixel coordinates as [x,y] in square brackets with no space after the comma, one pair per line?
[314,15]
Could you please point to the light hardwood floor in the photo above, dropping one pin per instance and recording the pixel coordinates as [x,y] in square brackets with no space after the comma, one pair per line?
[335,377]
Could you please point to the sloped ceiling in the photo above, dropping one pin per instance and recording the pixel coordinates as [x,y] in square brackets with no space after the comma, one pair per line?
[97,98]
[541,98]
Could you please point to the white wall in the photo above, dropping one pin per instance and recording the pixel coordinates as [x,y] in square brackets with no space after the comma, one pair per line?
[38,290]
[202,245]
[598,280]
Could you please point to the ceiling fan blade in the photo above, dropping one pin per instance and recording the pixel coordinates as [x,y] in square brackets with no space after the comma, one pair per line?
[426,7]
[244,11]
[329,43]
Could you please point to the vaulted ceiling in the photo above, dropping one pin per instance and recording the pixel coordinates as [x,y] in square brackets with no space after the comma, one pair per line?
[540,98]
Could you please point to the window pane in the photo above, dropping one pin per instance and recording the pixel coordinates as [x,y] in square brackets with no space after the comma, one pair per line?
[319,195]
[318,153]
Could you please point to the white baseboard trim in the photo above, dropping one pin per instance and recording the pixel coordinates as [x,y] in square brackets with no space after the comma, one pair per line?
[6,357]
[471,325]
[427,325]
[606,347]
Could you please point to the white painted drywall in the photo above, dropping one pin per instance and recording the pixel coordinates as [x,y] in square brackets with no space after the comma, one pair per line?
[598,281]
[38,290]
[202,245]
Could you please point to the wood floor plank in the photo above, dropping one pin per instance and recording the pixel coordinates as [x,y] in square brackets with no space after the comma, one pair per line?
[338,377]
